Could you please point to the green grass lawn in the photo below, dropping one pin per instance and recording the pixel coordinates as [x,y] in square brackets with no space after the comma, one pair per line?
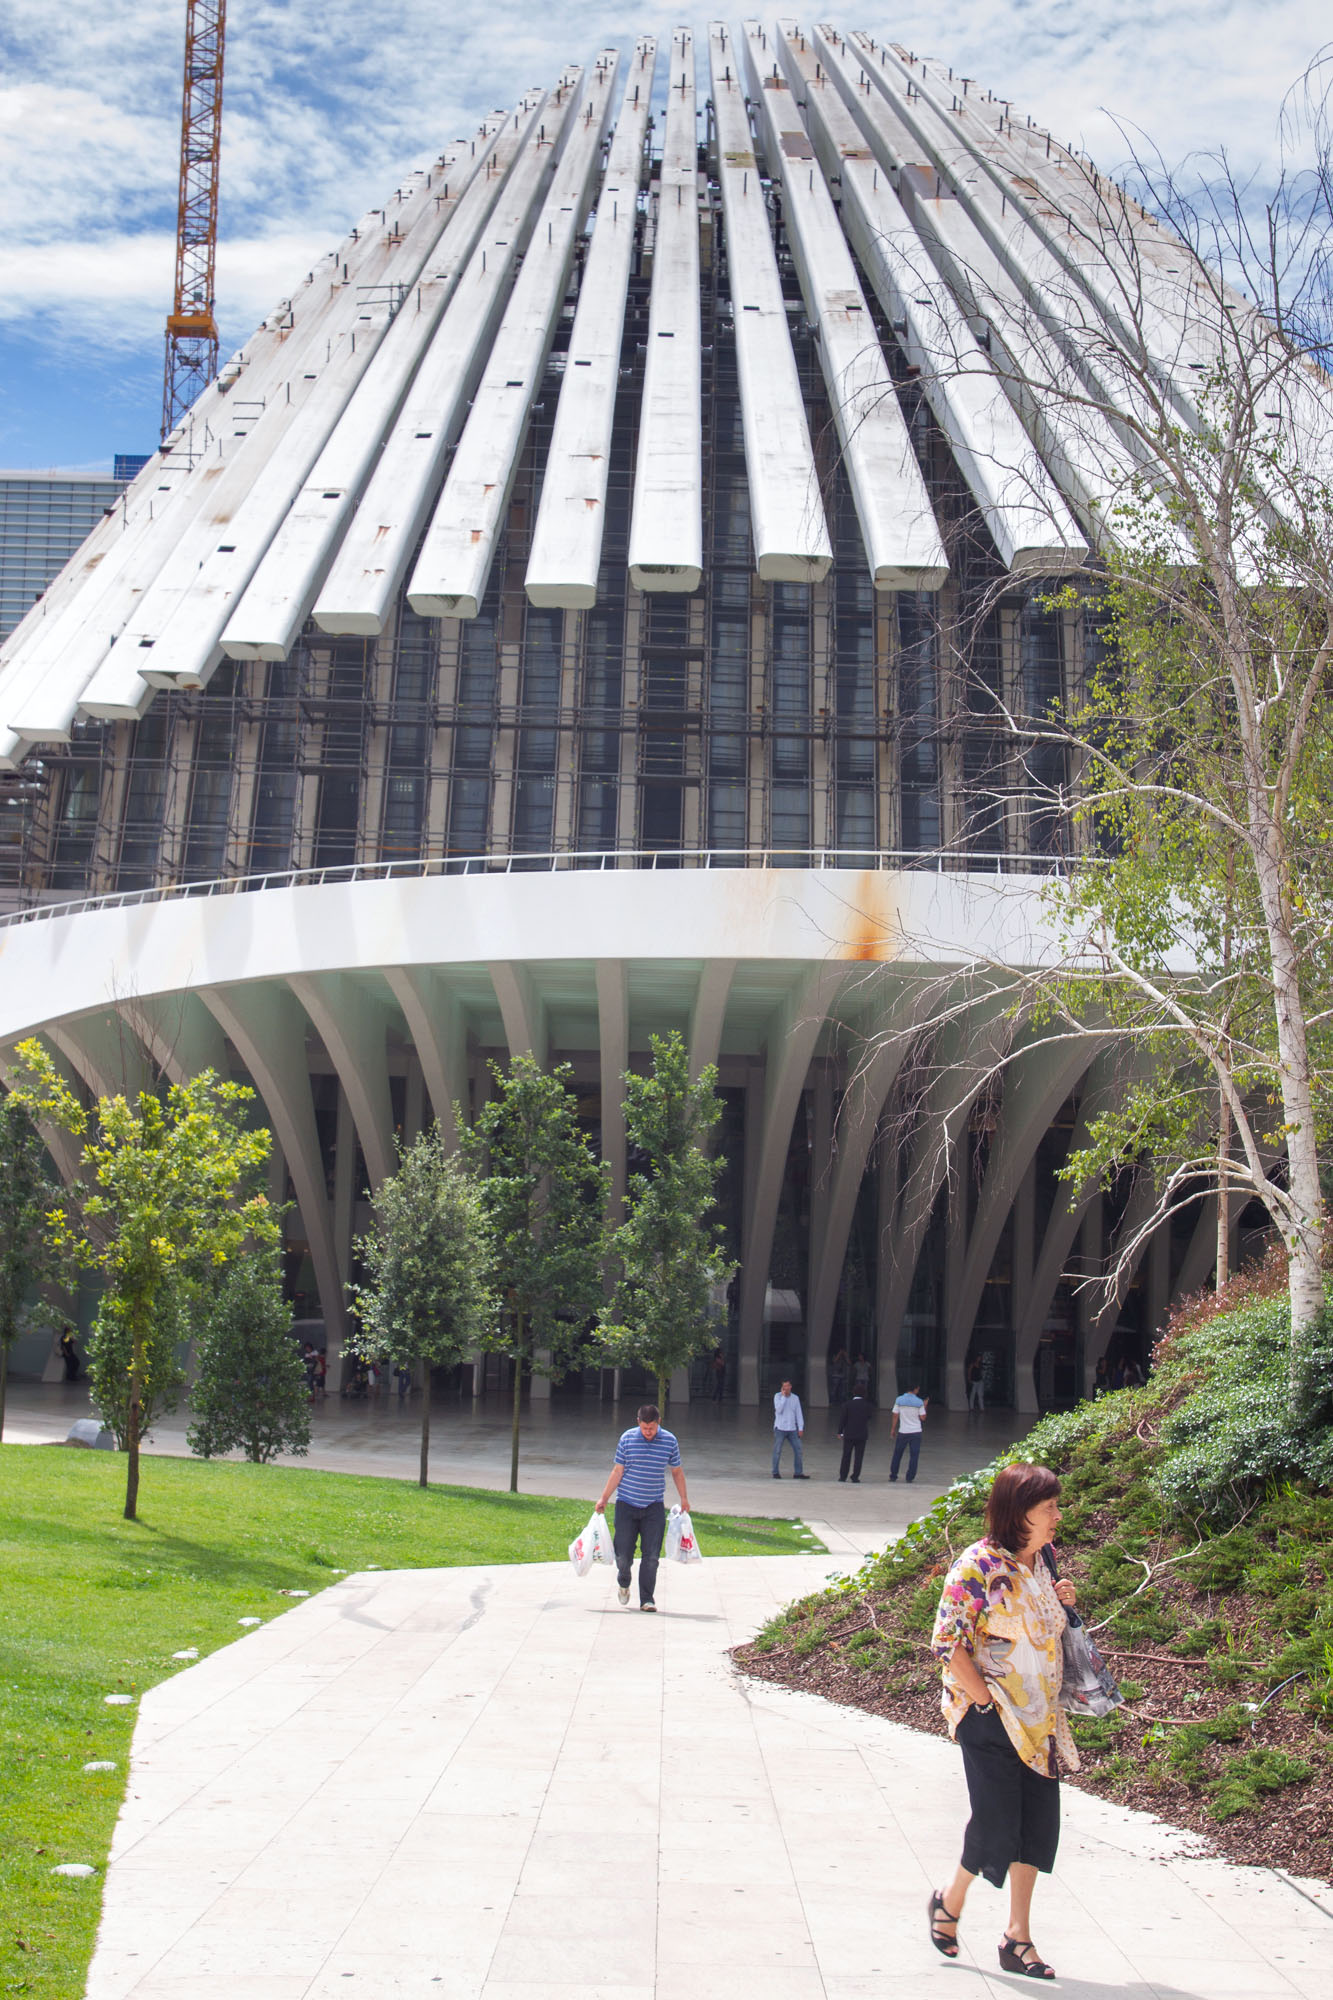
[91,1605]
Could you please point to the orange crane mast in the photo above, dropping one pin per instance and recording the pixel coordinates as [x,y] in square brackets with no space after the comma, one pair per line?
[192,333]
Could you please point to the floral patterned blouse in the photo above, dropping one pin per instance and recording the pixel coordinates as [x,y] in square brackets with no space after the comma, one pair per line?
[1012,1623]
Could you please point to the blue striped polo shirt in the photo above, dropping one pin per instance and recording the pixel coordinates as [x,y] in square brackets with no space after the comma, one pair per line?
[645,1461]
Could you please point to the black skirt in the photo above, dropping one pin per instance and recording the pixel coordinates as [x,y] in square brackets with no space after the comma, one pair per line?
[1015,1810]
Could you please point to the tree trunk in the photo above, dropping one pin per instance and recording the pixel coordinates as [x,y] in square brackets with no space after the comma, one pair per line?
[132,1429]
[518,1400]
[1303,1231]
[1223,1198]
[4,1385]
[424,1476]
[663,1383]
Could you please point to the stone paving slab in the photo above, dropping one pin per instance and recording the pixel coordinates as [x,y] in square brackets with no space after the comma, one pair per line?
[494,1784]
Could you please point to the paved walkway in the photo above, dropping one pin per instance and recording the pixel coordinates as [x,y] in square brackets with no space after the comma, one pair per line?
[494,1784]
[567,1448]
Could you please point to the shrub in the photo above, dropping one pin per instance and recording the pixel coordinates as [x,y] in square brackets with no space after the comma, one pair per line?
[1244,1779]
[251,1394]
[1234,1431]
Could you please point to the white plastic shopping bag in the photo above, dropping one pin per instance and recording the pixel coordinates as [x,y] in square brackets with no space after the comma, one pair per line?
[592,1545]
[680,1544]
[603,1547]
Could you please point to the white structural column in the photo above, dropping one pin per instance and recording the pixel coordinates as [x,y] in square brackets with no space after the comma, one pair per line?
[267,1026]
[708,1014]
[359,591]
[789,1045]
[613,1055]
[449,580]
[106,1052]
[1036,1084]
[353,1026]
[902,542]
[666,539]
[1031,526]
[791,539]
[64,1148]
[567,538]
[435,1026]
[1066,1219]
[181,1036]
[863,1102]
[277,600]
[971,1042]
[521,1009]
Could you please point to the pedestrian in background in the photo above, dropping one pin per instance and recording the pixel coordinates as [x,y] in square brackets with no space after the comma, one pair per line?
[853,1429]
[838,1377]
[976,1385]
[999,1635]
[644,1456]
[909,1413]
[788,1426]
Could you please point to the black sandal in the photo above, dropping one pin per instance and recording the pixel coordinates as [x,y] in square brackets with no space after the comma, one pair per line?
[936,1908]
[1012,1959]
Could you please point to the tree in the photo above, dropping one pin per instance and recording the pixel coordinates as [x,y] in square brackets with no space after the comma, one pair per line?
[27,1196]
[426,1303]
[542,1197]
[667,1249]
[251,1392]
[1179,370]
[171,1196]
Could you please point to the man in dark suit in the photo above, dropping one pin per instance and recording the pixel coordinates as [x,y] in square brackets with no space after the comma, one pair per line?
[853,1429]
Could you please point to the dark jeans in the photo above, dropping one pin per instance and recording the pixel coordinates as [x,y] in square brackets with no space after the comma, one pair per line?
[853,1451]
[1015,1811]
[646,1526]
[909,1441]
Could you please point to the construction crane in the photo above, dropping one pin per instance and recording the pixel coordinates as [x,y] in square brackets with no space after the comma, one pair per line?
[192,333]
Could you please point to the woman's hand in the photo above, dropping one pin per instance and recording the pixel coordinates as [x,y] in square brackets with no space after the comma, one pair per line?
[1066,1592]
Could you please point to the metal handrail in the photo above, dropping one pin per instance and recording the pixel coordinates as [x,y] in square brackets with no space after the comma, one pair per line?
[599,859]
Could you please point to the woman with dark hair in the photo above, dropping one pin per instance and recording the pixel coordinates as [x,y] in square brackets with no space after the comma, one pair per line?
[998,1633]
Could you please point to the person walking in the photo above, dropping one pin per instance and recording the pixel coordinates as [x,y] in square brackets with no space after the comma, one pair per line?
[909,1414]
[643,1458]
[788,1426]
[853,1429]
[719,1374]
[999,1637]
[69,1354]
[976,1386]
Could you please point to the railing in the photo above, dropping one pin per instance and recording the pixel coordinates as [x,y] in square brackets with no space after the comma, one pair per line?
[937,861]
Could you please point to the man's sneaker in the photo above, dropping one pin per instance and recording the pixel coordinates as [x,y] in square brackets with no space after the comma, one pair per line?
[622,1592]
[647,1605]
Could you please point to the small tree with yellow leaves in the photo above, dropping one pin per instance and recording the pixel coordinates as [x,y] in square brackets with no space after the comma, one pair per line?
[170,1196]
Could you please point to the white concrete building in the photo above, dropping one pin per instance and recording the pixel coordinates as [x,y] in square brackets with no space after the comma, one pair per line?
[590,605]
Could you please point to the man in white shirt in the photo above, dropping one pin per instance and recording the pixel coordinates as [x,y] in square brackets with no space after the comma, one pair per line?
[909,1413]
[788,1423]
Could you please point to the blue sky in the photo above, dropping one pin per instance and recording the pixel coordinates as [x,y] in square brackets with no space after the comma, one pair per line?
[326,106]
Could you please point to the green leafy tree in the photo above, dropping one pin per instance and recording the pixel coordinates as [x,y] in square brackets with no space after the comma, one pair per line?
[426,1302]
[172,1193]
[543,1196]
[27,1258]
[161,1376]
[250,1393]
[668,1249]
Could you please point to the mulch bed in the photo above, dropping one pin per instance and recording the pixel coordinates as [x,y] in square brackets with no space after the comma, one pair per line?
[1288,1828]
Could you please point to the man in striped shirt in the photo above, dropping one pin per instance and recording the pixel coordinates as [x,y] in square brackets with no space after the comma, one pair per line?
[643,1457]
